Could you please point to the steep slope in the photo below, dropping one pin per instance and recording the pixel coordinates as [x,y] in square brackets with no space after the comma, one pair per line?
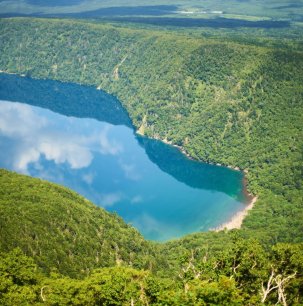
[62,230]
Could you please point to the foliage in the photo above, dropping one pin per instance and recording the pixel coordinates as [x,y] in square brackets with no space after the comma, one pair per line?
[62,230]
[18,279]
[247,275]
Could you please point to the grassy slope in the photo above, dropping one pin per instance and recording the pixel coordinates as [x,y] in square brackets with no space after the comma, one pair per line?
[62,230]
[226,102]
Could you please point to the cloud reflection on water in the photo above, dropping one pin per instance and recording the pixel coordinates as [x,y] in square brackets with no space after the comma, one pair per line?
[151,185]
[35,135]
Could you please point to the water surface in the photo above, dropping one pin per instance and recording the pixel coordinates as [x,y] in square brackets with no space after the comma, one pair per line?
[82,138]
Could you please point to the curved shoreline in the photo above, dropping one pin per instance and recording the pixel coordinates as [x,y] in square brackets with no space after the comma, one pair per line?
[182,150]
[236,221]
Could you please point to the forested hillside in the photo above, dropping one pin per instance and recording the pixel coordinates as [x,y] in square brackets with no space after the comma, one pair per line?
[223,101]
[81,255]
[63,230]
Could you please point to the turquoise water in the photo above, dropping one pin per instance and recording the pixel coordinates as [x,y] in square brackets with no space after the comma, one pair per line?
[82,138]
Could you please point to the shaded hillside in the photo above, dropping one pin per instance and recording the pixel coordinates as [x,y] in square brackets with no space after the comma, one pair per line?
[81,102]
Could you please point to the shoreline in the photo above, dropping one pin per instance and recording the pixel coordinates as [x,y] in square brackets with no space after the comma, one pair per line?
[236,221]
[12,73]
[182,150]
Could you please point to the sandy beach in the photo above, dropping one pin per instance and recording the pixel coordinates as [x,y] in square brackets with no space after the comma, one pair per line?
[237,219]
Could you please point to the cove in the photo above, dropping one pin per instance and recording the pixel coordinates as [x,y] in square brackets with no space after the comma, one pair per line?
[82,138]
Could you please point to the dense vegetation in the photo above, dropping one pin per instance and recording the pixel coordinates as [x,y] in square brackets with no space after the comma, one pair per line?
[98,254]
[64,231]
[229,102]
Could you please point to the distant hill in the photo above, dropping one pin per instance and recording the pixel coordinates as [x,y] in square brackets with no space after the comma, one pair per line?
[238,9]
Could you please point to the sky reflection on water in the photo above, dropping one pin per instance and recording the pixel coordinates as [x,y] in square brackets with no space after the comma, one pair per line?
[150,184]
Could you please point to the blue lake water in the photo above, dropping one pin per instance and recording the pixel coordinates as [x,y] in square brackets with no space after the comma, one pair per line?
[82,138]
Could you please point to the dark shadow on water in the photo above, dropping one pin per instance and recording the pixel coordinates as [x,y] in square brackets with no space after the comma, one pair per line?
[203,22]
[65,98]
[190,172]
[86,102]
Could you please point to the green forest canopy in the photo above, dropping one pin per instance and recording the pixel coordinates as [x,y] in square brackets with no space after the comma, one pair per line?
[81,255]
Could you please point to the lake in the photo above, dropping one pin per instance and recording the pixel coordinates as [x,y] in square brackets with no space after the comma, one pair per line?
[82,138]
